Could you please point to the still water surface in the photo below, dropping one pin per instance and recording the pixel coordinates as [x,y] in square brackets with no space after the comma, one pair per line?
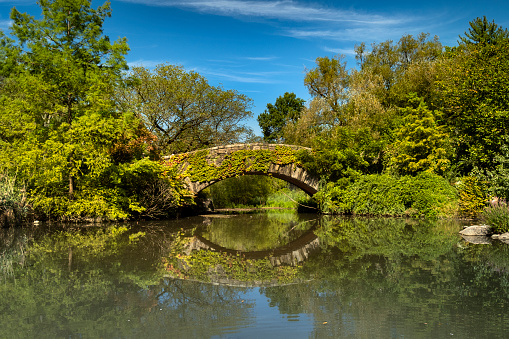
[266,276]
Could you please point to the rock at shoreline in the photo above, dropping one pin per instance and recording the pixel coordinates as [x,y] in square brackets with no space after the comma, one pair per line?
[503,236]
[482,230]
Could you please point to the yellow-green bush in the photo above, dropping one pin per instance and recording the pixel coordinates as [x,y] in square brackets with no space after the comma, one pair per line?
[473,196]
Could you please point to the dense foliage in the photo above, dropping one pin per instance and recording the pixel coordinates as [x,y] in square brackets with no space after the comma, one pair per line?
[497,216]
[78,150]
[412,111]
[13,206]
[425,195]
[81,135]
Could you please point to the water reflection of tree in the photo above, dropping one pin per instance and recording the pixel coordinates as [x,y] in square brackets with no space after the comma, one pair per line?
[256,232]
[107,291]
[372,278]
[400,278]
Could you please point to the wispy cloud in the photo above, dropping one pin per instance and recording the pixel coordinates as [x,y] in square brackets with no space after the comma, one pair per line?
[233,72]
[5,24]
[301,20]
[261,77]
[276,9]
[145,63]
[268,58]
[339,51]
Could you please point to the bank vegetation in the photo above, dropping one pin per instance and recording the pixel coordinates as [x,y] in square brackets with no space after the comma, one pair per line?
[414,129]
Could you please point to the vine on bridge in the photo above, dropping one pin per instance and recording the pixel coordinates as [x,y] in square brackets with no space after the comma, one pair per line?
[199,166]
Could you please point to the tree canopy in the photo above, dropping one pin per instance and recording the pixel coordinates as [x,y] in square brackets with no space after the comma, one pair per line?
[482,31]
[183,110]
[286,109]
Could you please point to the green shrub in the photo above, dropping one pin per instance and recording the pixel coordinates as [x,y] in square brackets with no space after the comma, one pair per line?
[375,195]
[425,195]
[497,216]
[473,196]
[143,188]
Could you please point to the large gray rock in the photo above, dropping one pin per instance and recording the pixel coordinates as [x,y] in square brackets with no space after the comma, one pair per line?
[477,230]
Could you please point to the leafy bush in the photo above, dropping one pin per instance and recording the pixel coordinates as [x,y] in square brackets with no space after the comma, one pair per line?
[142,188]
[497,216]
[425,195]
[473,196]
[498,176]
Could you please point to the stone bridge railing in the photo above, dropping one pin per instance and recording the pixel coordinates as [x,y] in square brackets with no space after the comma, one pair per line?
[203,168]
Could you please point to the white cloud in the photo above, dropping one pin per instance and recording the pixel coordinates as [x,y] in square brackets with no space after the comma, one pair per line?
[340,51]
[5,24]
[275,9]
[303,20]
[244,77]
[269,58]
[145,63]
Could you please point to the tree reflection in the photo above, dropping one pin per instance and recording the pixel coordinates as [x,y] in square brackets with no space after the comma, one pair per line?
[257,232]
[393,277]
[369,278]
[108,290]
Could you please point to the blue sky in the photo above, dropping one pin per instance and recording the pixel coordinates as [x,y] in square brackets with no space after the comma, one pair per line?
[262,48]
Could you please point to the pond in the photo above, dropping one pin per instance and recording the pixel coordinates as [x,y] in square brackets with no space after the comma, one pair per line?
[253,276]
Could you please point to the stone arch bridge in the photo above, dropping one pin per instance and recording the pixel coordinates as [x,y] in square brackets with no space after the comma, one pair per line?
[202,168]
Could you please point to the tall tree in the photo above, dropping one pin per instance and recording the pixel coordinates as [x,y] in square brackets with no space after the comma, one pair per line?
[183,110]
[61,131]
[329,80]
[474,89]
[67,52]
[482,31]
[404,66]
[286,109]
[421,144]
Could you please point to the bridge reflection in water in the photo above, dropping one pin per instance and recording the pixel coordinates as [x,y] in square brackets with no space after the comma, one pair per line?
[201,258]
[292,254]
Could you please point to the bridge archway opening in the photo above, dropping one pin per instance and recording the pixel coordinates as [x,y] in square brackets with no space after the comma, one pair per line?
[198,187]
[253,189]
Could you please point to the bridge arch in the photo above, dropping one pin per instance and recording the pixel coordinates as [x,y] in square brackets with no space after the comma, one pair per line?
[202,168]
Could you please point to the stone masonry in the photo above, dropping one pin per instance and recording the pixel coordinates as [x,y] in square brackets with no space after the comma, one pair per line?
[290,172]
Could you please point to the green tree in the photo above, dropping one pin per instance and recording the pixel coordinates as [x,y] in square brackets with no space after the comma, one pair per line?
[329,80]
[183,110]
[404,66]
[314,121]
[475,99]
[286,109]
[60,129]
[482,31]
[66,51]
[421,144]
